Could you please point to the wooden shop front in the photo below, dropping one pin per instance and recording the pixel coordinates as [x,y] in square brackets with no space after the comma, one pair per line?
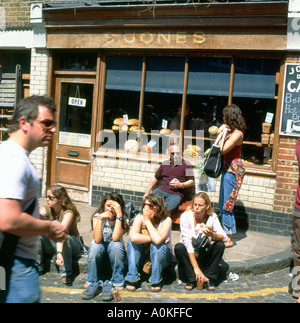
[142,62]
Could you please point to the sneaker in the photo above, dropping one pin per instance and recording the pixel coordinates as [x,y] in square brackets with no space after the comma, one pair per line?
[92,291]
[106,291]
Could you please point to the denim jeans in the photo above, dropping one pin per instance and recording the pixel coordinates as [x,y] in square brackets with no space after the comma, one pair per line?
[226,187]
[71,248]
[160,256]
[24,282]
[116,254]
[172,200]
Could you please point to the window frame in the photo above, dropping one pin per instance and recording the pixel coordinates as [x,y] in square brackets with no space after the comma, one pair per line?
[266,170]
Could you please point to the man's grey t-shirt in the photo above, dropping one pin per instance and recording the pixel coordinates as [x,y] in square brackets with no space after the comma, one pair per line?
[19,181]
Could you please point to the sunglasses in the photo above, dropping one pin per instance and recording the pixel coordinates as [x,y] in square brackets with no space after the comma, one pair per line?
[51,198]
[47,124]
[151,206]
[176,153]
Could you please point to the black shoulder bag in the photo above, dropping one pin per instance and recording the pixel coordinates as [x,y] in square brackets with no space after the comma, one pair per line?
[7,251]
[213,162]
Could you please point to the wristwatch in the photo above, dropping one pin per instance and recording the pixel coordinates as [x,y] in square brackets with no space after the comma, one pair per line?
[119,218]
[59,252]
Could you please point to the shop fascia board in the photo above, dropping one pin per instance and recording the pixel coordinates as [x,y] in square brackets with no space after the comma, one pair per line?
[214,14]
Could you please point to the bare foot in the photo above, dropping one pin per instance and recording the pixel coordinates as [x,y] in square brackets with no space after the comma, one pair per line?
[228,243]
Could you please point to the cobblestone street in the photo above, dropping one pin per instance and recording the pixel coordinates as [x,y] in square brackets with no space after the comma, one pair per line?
[266,288]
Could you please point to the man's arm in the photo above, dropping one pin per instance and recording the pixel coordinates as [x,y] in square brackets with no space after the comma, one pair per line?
[150,186]
[14,221]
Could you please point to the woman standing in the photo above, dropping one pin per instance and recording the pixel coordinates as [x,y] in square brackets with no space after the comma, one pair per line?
[233,170]
[195,224]
[60,208]
[156,219]
[109,223]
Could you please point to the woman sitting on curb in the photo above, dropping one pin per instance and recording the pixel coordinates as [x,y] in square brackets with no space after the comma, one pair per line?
[109,223]
[196,223]
[158,223]
[60,208]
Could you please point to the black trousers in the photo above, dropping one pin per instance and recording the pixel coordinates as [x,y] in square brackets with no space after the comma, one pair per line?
[209,264]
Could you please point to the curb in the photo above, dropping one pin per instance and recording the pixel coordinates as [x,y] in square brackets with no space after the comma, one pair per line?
[249,267]
[262,265]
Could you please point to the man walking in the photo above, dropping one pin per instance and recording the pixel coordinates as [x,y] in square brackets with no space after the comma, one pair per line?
[33,125]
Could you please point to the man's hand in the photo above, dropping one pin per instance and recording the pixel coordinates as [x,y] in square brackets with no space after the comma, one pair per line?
[58,232]
[175,183]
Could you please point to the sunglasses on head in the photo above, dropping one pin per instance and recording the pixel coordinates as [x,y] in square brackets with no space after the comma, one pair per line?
[151,206]
[51,198]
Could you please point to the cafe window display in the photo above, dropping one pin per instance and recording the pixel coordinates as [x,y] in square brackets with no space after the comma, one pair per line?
[147,92]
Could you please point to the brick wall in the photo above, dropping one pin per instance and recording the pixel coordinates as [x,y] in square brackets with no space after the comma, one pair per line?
[38,86]
[287,175]
[17,12]
[39,71]
[254,210]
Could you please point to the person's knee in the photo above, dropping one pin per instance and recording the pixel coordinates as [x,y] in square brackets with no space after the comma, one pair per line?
[179,248]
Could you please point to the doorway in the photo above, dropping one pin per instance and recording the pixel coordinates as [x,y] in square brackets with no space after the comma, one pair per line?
[71,156]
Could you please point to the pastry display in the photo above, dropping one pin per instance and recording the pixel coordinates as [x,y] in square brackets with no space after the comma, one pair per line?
[135,128]
[146,148]
[265,138]
[131,146]
[192,151]
[165,131]
[117,121]
[213,132]
[133,122]
[266,127]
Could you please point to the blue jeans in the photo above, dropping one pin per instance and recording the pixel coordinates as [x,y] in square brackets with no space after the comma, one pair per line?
[24,282]
[160,256]
[116,253]
[172,200]
[71,248]
[226,187]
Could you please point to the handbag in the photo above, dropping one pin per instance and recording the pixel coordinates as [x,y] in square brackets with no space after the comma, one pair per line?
[203,246]
[213,162]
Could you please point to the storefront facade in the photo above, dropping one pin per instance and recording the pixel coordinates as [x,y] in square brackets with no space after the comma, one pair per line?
[142,63]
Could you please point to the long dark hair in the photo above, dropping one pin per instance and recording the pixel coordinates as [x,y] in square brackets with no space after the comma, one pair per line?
[161,210]
[234,118]
[114,197]
[62,195]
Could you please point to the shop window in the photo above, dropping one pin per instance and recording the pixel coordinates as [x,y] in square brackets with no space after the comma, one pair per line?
[77,61]
[254,91]
[210,80]
[9,60]
[76,114]
[122,97]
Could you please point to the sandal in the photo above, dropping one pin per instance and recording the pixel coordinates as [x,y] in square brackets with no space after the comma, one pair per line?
[156,287]
[190,286]
[131,287]
[209,285]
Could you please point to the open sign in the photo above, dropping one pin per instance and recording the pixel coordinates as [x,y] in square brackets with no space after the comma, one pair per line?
[77,102]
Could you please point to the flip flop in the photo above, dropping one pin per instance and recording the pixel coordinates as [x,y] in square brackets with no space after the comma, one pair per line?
[131,287]
[156,288]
